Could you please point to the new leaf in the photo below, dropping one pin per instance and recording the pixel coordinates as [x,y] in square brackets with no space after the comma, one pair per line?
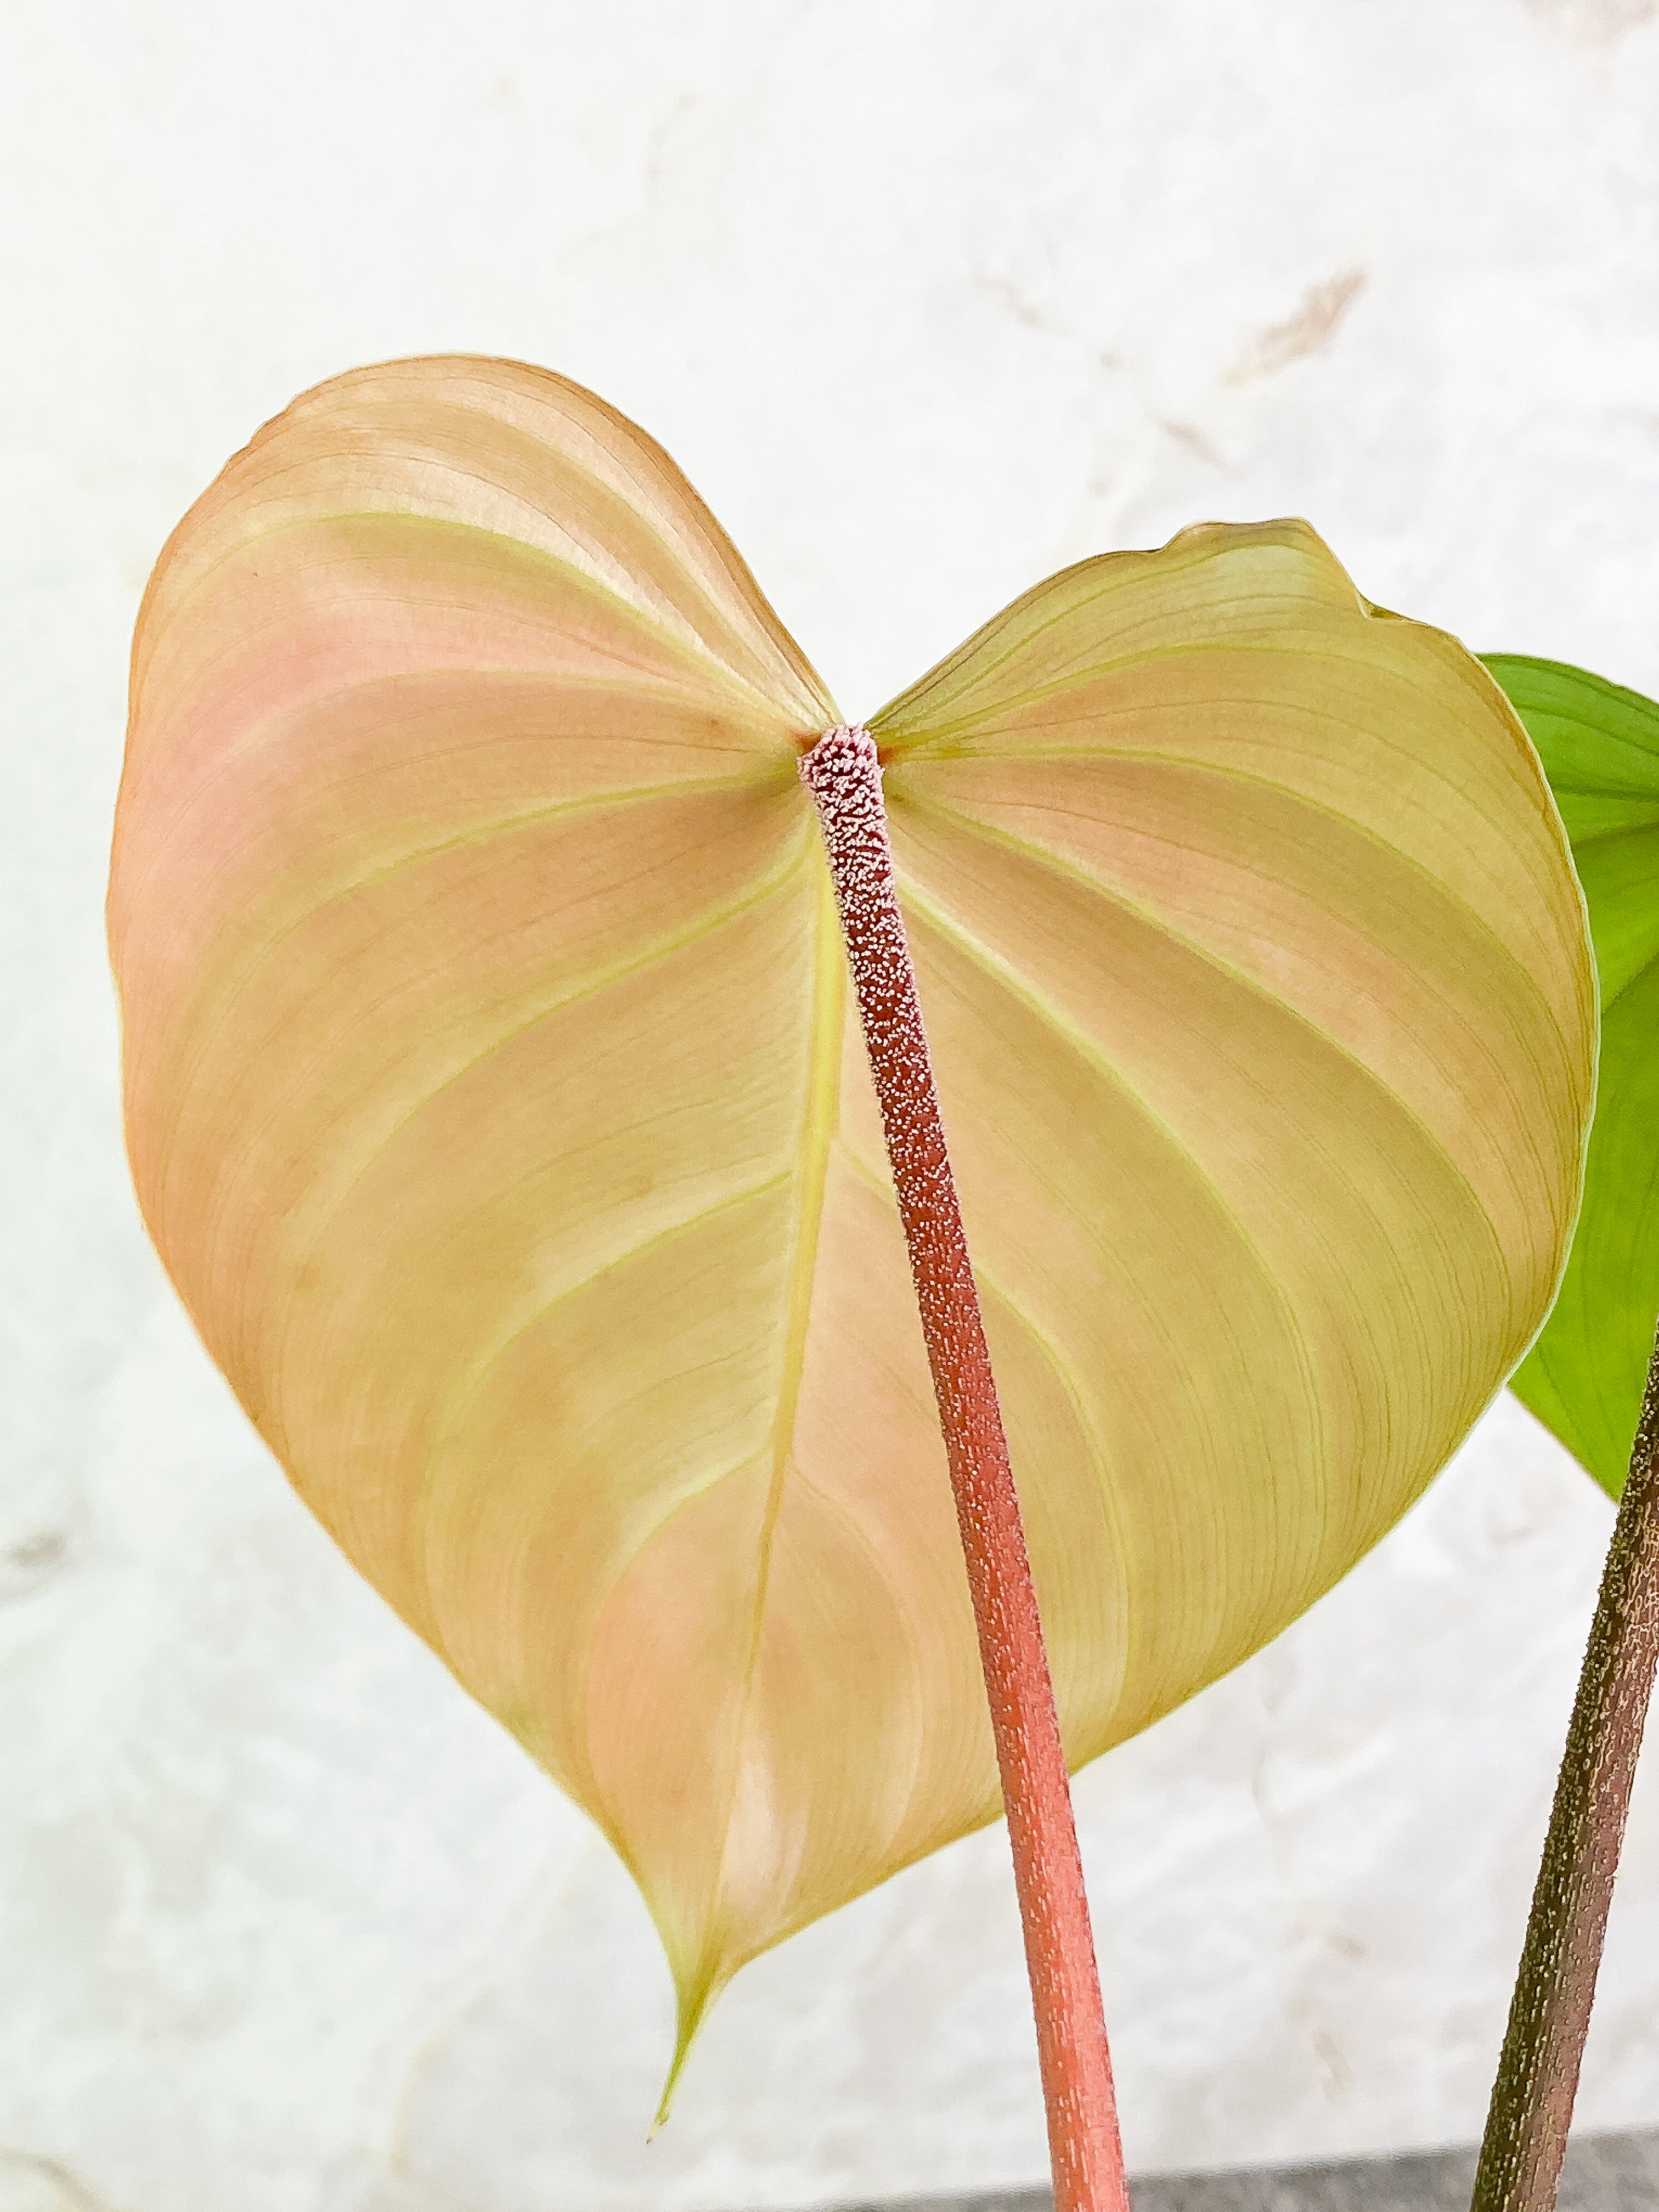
[493,1099]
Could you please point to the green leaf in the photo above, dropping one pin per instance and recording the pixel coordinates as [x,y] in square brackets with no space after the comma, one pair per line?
[1599,746]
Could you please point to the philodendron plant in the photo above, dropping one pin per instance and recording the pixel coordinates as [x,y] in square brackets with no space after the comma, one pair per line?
[524,968]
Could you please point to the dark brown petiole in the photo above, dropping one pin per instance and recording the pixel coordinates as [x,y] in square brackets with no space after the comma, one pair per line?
[1538,2073]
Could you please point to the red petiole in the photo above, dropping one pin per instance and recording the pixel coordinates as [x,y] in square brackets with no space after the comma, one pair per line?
[843,773]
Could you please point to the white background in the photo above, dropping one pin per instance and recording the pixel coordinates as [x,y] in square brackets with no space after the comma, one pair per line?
[928,300]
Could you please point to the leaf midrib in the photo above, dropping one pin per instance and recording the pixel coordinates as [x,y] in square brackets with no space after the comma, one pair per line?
[822,1122]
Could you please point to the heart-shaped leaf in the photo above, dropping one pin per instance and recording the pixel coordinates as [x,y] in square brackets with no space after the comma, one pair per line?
[495,1101]
[1599,746]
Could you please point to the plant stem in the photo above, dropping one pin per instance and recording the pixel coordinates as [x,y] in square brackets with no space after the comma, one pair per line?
[1538,2073]
[843,774]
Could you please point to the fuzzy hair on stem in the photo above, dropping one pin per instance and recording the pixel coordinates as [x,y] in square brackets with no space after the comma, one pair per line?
[842,771]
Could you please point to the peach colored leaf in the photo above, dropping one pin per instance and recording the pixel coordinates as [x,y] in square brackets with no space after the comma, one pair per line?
[494,1100]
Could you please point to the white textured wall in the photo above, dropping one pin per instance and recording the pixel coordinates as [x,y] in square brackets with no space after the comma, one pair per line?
[928,300]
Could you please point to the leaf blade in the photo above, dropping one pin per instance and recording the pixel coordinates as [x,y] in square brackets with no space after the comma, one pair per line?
[495,1101]
[1225,820]
[1599,743]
